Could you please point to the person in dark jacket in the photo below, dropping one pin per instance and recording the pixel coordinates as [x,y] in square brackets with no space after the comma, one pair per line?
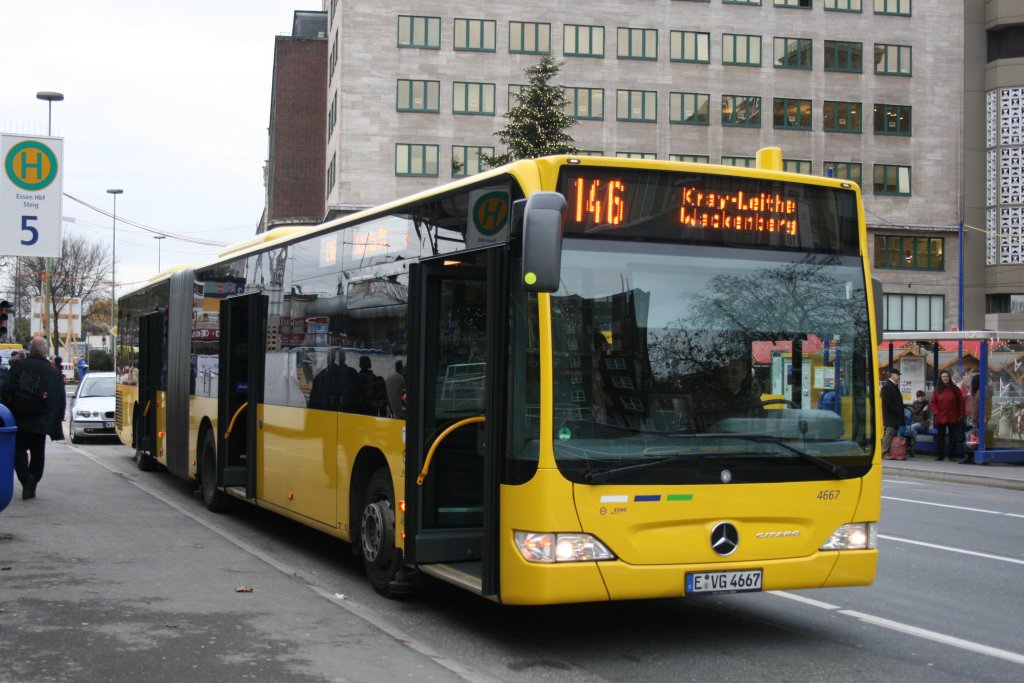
[34,423]
[892,410]
[948,409]
[920,420]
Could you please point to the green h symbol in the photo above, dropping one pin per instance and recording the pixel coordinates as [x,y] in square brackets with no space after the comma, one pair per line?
[25,165]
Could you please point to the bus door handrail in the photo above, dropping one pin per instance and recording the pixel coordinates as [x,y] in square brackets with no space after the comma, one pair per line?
[441,437]
[231,425]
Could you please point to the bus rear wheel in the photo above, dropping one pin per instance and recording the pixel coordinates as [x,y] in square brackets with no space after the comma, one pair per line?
[214,499]
[377,532]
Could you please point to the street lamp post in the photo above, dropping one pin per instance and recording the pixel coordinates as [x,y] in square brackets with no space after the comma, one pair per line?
[159,239]
[49,97]
[113,276]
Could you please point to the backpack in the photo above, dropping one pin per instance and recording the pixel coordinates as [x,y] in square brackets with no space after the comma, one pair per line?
[29,395]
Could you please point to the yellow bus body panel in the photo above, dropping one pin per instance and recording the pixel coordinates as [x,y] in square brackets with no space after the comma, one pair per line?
[545,503]
[307,455]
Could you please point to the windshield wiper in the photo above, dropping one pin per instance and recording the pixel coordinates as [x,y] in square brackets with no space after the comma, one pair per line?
[838,471]
[604,476]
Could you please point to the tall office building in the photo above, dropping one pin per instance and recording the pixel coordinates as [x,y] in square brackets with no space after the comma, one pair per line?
[994,165]
[872,90]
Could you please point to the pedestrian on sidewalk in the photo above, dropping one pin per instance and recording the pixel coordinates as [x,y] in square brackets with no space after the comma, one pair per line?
[948,410]
[920,420]
[34,393]
[892,411]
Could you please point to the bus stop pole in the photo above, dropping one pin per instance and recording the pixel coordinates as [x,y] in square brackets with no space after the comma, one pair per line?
[960,308]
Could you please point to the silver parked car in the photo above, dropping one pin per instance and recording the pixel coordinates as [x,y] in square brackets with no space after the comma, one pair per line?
[92,407]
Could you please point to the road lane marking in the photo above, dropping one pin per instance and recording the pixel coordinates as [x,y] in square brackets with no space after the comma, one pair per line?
[951,549]
[903,482]
[953,507]
[916,631]
[363,612]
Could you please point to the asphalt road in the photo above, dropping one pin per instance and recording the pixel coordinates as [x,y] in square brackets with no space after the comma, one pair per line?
[156,600]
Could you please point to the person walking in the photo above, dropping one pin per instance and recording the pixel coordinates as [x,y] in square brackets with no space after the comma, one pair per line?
[34,393]
[892,412]
[948,409]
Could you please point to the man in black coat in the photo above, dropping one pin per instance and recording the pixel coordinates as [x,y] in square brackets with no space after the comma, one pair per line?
[892,410]
[34,421]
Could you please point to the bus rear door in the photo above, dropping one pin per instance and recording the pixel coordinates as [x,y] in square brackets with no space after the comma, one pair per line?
[243,326]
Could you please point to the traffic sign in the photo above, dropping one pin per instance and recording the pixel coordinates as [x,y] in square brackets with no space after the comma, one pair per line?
[31,195]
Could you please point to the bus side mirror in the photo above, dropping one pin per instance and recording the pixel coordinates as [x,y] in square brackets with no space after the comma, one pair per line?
[876,288]
[543,218]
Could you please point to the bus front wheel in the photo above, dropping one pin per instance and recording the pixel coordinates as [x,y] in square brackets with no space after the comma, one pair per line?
[214,499]
[377,532]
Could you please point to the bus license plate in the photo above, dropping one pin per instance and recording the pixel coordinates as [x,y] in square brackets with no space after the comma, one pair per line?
[724,582]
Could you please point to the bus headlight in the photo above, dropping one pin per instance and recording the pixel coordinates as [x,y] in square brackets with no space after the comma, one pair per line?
[857,536]
[535,546]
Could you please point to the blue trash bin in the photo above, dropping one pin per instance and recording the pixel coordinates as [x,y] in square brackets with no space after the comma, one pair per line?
[7,430]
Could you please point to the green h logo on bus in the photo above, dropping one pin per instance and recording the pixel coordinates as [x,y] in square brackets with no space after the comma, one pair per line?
[490,213]
[31,165]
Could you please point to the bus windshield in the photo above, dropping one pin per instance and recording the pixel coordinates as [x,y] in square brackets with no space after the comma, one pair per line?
[674,363]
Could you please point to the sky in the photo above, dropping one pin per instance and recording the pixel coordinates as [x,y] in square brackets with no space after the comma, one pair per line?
[167,100]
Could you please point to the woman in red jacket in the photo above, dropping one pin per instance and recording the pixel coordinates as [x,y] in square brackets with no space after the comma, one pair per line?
[948,409]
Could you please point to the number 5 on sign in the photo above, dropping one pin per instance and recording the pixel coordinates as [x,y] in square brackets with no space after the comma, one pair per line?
[31,196]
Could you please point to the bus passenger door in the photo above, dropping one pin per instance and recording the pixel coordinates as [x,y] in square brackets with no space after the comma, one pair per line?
[243,325]
[151,371]
[457,336]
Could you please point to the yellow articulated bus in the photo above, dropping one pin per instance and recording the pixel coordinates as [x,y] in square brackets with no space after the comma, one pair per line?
[568,379]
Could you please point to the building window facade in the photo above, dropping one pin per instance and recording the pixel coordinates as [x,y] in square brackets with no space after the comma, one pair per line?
[844,56]
[844,170]
[744,162]
[529,38]
[797,166]
[741,50]
[909,253]
[892,119]
[741,110]
[893,60]
[475,35]
[421,32]
[798,4]
[791,114]
[897,7]
[794,53]
[585,104]
[473,98]
[637,105]
[843,6]
[691,158]
[419,96]
[583,41]
[466,160]
[636,155]
[693,108]
[638,43]
[913,313]
[891,179]
[842,117]
[690,46]
[416,160]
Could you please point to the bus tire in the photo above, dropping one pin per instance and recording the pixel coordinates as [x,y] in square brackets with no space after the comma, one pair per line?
[214,499]
[377,532]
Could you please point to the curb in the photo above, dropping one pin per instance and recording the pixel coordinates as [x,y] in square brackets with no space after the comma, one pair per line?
[954,477]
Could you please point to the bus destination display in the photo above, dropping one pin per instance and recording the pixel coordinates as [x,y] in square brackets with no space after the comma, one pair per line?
[600,200]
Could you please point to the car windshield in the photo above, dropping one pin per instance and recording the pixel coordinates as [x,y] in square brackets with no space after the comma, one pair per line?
[96,386]
[672,362]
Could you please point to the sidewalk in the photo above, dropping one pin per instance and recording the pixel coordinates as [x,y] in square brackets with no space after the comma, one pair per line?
[101,581]
[997,475]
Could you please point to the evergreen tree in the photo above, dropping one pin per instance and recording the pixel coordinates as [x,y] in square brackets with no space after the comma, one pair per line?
[537,124]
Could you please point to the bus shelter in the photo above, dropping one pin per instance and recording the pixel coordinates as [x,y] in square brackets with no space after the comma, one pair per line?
[998,357]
